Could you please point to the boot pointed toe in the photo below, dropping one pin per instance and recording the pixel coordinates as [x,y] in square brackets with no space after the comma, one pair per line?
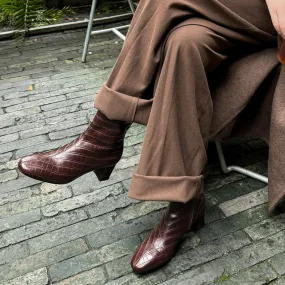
[33,167]
[149,260]
[26,164]
[23,165]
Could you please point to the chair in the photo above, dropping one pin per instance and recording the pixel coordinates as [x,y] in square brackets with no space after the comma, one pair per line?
[224,166]
[114,30]
[230,168]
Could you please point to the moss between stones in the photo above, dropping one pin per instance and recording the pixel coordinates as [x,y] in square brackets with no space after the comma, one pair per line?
[223,277]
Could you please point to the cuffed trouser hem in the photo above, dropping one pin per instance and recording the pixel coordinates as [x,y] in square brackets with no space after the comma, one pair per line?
[118,106]
[165,188]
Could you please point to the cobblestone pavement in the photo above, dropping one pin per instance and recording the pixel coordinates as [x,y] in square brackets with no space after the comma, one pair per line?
[85,232]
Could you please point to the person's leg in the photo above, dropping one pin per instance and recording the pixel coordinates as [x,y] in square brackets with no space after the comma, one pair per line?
[179,120]
[174,148]
[126,93]
[122,96]
[174,155]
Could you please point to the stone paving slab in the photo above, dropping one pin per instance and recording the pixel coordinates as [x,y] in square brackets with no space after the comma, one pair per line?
[85,232]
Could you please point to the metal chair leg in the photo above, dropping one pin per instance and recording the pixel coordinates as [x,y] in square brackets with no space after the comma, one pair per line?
[118,33]
[90,32]
[131,3]
[89,28]
[227,169]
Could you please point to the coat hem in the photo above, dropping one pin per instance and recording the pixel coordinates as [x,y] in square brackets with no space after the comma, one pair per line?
[276,206]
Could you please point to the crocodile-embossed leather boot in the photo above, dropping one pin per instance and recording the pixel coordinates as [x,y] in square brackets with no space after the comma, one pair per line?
[161,244]
[97,149]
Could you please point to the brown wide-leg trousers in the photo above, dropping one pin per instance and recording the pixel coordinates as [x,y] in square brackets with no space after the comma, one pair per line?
[160,80]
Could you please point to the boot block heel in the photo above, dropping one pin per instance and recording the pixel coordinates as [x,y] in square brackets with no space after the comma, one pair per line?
[104,173]
[199,222]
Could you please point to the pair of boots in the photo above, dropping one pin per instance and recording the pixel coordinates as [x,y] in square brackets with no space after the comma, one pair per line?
[98,149]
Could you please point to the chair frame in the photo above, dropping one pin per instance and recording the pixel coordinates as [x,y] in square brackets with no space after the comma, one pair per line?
[225,168]
[230,168]
[115,30]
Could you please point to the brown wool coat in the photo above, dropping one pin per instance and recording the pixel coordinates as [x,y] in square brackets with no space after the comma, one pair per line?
[249,100]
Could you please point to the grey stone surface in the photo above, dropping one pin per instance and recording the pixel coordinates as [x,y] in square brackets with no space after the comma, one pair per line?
[93,258]
[245,202]
[16,184]
[119,267]
[8,175]
[206,252]
[232,263]
[24,143]
[109,193]
[90,183]
[122,229]
[17,195]
[34,202]
[277,263]
[232,224]
[42,259]
[37,277]
[5,156]
[38,228]
[150,279]
[259,274]
[266,227]
[85,232]
[14,252]
[279,281]
[19,220]
[95,276]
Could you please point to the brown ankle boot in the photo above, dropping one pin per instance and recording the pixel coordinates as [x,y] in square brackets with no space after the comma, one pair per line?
[161,244]
[97,149]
